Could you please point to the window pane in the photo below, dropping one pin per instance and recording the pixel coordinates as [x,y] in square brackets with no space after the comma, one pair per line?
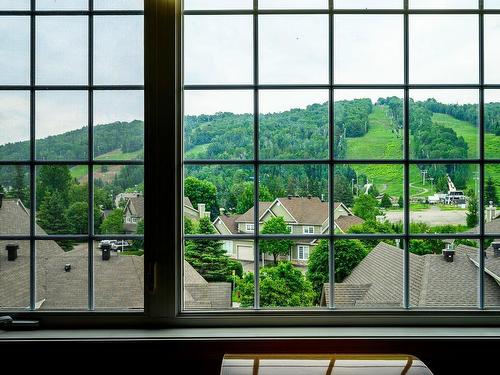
[293,124]
[118,199]
[444,49]
[119,263]
[62,4]
[491,4]
[14,50]
[368,49]
[293,4]
[491,198]
[119,125]
[492,124]
[14,4]
[368,275]
[14,125]
[15,275]
[292,195]
[368,4]
[220,193]
[368,124]
[14,206]
[217,4]
[218,49]
[218,124]
[491,51]
[118,50]
[62,200]
[445,274]
[119,4]
[293,49]
[61,125]
[444,124]
[444,4]
[444,198]
[61,275]
[368,198]
[61,50]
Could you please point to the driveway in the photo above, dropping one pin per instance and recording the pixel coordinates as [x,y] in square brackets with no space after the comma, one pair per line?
[431,216]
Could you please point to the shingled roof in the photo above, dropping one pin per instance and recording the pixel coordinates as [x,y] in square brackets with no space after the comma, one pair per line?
[136,206]
[433,281]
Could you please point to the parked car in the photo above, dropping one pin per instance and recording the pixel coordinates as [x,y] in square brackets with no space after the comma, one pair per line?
[120,245]
[106,242]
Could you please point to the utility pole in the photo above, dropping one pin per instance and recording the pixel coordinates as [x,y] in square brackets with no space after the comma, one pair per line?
[424,173]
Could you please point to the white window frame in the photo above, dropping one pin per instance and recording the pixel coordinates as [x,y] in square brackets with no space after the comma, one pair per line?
[308,229]
[250,227]
[305,249]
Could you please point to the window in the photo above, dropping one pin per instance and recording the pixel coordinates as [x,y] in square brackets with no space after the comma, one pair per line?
[71,142]
[228,246]
[308,230]
[303,252]
[381,144]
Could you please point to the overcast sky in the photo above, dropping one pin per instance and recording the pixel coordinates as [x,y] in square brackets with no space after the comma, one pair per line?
[219,50]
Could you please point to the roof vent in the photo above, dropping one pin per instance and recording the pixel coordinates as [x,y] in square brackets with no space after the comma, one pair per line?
[496,249]
[67,267]
[309,197]
[448,253]
[12,251]
[290,197]
[106,251]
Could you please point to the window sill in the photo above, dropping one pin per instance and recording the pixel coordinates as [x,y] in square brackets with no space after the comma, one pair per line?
[332,333]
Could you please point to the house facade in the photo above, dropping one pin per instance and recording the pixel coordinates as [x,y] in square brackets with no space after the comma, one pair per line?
[133,213]
[303,215]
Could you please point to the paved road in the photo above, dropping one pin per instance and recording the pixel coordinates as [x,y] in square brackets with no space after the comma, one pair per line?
[431,216]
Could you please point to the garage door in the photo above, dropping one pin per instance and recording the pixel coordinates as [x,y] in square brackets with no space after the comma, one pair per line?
[245,252]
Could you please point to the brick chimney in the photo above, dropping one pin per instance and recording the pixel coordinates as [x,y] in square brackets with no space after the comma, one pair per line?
[490,212]
[496,249]
[202,211]
[448,253]
[221,211]
[12,251]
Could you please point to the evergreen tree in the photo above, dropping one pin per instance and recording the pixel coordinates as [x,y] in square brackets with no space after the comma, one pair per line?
[139,244]
[113,224]
[53,178]
[366,207]
[275,225]
[51,215]
[490,192]
[19,189]
[472,210]
[401,202]
[343,190]
[207,256]
[386,201]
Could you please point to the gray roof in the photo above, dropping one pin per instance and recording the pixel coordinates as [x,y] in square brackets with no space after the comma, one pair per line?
[136,206]
[434,283]
[187,202]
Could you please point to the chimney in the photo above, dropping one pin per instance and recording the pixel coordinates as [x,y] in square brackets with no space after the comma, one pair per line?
[496,249]
[1,198]
[448,253]
[67,267]
[290,197]
[322,197]
[201,211]
[490,212]
[106,251]
[221,211]
[309,197]
[12,251]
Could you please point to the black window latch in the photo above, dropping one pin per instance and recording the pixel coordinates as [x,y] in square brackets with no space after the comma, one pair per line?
[8,323]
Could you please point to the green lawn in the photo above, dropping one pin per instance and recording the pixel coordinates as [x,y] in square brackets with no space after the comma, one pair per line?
[80,171]
[197,152]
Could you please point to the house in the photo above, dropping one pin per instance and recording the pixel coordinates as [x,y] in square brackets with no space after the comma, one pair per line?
[192,213]
[122,198]
[62,277]
[435,281]
[133,213]
[303,215]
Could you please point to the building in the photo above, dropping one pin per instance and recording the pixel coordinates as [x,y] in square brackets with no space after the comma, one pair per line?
[303,215]
[192,213]
[62,277]
[122,198]
[133,213]
[436,281]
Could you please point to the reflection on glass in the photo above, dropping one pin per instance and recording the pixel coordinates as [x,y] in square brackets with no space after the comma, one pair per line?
[62,4]
[293,124]
[218,124]
[61,275]
[15,260]
[61,57]
[218,49]
[61,125]
[217,4]
[368,49]
[444,4]
[368,198]
[294,4]
[118,125]
[119,4]
[293,49]
[492,124]
[368,124]
[444,124]
[444,198]
[14,50]
[446,274]
[14,125]
[368,4]
[118,50]
[119,199]
[455,60]
[491,51]
[14,207]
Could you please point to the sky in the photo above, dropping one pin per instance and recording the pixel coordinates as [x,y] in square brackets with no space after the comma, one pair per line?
[293,49]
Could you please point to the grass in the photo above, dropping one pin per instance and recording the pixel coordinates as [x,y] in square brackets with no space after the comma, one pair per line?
[80,171]
[197,152]
[132,253]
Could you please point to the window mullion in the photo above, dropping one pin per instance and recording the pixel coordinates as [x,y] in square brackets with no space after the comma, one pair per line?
[331,169]
[406,178]
[32,158]
[481,249]
[256,124]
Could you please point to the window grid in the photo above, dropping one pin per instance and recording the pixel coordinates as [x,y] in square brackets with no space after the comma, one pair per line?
[33,163]
[407,161]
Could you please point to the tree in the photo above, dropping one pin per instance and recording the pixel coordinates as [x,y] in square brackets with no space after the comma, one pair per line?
[139,244]
[281,285]
[19,189]
[490,192]
[113,223]
[386,201]
[343,190]
[189,227]
[242,196]
[401,202]
[473,210]
[207,256]
[275,225]
[77,216]
[348,254]
[366,207]
[53,178]
[201,191]
[52,218]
